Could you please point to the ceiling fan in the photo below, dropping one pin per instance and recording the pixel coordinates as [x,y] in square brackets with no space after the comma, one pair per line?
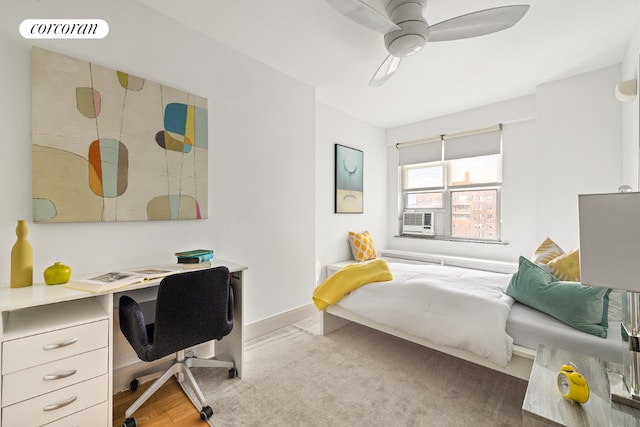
[406,31]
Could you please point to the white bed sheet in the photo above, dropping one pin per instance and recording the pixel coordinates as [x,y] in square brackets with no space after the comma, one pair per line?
[452,306]
[530,328]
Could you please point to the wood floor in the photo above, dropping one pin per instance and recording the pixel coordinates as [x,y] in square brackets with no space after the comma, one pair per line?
[168,407]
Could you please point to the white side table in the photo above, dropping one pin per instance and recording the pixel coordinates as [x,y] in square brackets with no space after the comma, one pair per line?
[544,406]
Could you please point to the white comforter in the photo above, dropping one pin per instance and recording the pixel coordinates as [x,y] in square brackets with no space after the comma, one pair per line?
[451,306]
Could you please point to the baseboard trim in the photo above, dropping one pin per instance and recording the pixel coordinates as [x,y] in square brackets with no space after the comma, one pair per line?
[123,374]
[273,323]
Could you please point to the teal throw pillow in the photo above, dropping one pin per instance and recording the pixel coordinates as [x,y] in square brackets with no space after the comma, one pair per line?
[580,306]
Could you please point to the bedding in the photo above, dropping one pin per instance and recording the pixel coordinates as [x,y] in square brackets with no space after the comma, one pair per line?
[348,279]
[530,328]
[581,306]
[447,305]
[403,314]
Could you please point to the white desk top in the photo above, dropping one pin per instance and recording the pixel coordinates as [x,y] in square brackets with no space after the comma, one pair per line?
[40,293]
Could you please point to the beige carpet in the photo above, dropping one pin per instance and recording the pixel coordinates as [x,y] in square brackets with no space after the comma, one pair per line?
[357,377]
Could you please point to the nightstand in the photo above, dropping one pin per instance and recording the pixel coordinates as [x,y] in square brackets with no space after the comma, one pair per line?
[544,406]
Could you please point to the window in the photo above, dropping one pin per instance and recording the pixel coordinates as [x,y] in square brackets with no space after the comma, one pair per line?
[474,170]
[424,200]
[459,178]
[475,223]
[425,176]
[419,180]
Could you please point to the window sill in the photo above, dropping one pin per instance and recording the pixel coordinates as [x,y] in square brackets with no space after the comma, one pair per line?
[456,261]
[452,239]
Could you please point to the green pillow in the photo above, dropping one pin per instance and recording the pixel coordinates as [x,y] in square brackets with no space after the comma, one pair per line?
[580,306]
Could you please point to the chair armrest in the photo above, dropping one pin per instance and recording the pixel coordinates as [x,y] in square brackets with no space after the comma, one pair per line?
[230,305]
[133,326]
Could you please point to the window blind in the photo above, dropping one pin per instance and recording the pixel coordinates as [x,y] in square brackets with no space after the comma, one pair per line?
[422,152]
[477,144]
[456,146]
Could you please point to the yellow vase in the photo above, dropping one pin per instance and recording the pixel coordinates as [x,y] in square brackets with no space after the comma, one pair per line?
[57,274]
[21,258]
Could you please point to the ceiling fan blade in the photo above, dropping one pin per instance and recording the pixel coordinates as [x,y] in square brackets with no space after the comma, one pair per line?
[385,71]
[365,15]
[478,23]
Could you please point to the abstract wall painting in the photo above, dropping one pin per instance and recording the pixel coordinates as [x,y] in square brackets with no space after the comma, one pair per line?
[349,180]
[111,146]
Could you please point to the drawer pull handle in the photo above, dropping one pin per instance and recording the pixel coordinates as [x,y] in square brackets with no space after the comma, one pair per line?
[59,375]
[59,405]
[60,344]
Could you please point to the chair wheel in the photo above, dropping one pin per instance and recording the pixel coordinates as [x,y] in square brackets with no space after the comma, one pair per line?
[233,372]
[129,422]
[134,384]
[206,413]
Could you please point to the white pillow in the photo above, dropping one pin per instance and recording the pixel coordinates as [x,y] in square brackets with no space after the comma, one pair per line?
[615,306]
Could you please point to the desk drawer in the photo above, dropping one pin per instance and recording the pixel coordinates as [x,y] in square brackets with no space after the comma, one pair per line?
[42,348]
[21,385]
[57,404]
[96,416]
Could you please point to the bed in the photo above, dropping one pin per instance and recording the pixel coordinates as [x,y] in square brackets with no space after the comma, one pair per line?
[510,332]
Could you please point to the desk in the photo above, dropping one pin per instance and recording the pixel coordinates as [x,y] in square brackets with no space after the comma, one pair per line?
[67,336]
[544,406]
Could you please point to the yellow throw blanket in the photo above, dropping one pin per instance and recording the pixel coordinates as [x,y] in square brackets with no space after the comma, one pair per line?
[348,279]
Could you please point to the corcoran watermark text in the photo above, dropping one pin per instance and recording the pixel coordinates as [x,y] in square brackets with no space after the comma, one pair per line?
[64,29]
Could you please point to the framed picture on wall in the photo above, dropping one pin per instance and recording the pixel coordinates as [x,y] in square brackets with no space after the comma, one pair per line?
[111,146]
[348,180]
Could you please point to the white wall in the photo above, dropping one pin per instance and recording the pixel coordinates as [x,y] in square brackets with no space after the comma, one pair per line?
[579,149]
[573,146]
[630,118]
[261,165]
[335,127]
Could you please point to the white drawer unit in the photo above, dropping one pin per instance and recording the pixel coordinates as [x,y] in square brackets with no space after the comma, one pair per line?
[58,404]
[55,365]
[42,348]
[95,416]
[24,384]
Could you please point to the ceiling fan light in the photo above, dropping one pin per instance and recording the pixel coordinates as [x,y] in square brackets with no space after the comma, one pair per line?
[409,40]
[406,45]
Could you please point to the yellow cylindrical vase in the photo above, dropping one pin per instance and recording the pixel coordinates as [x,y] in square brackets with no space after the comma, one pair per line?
[21,258]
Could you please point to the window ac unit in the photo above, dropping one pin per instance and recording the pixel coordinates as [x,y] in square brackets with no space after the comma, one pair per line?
[421,223]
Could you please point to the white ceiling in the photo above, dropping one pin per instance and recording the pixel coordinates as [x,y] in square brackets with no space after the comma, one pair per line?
[313,43]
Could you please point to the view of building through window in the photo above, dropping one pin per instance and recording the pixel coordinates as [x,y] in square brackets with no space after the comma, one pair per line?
[474,214]
[424,200]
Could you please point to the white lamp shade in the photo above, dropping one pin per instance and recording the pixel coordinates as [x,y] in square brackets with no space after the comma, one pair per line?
[610,240]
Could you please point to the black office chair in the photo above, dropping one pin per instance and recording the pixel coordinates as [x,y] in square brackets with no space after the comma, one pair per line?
[191,308]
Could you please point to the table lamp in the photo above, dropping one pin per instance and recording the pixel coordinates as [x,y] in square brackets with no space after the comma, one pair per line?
[610,258]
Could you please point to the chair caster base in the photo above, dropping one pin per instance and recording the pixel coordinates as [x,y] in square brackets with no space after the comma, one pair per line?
[233,372]
[129,422]
[205,413]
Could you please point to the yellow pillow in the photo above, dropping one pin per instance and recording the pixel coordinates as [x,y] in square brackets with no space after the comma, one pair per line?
[547,251]
[362,246]
[566,266]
